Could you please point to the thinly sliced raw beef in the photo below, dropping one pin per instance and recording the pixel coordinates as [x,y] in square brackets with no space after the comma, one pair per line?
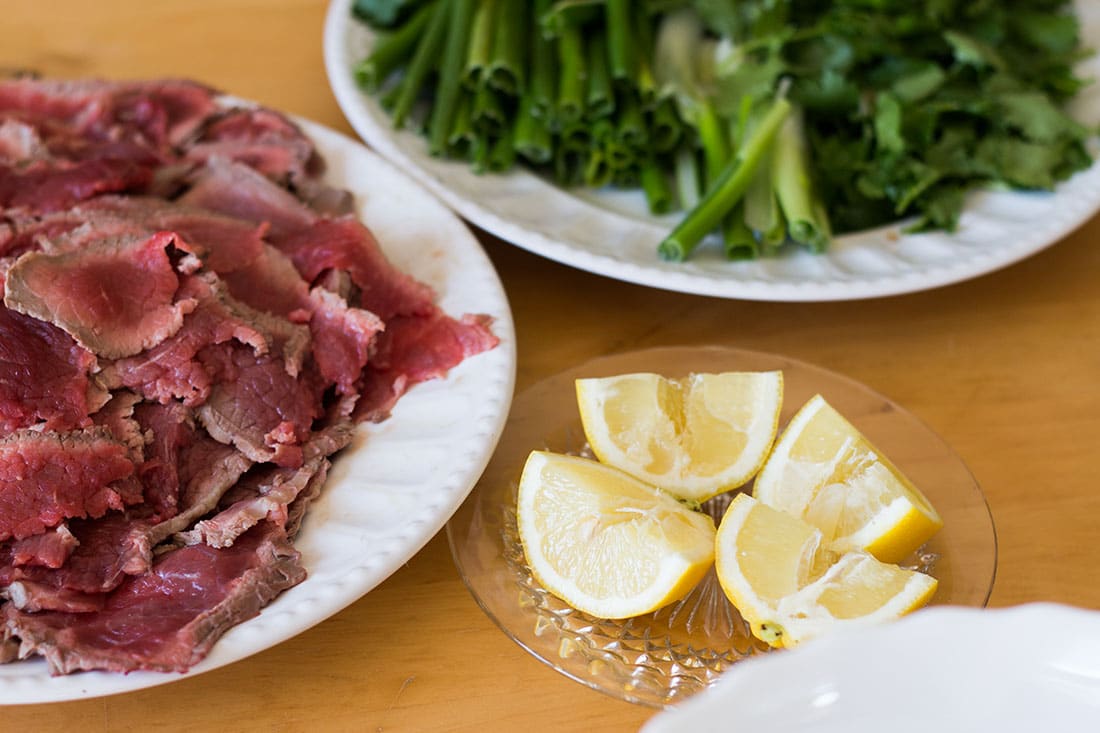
[50,549]
[413,349]
[116,298]
[163,113]
[258,407]
[44,376]
[47,477]
[262,139]
[171,428]
[107,549]
[207,469]
[234,189]
[342,335]
[342,338]
[224,243]
[73,228]
[168,619]
[268,492]
[48,187]
[171,370]
[344,244]
[193,322]
[118,417]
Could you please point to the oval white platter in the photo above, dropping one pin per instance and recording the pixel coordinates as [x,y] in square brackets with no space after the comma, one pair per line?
[612,234]
[400,481]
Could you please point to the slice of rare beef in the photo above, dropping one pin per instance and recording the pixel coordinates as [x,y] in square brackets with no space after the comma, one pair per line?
[49,550]
[46,477]
[171,428]
[260,138]
[413,349]
[45,187]
[344,244]
[224,243]
[107,549]
[257,406]
[169,618]
[343,338]
[161,113]
[116,298]
[44,375]
[171,370]
[207,470]
[267,491]
[236,190]
[342,335]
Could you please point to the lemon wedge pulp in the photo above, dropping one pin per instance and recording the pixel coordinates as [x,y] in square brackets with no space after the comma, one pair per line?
[775,570]
[605,542]
[824,471]
[695,437]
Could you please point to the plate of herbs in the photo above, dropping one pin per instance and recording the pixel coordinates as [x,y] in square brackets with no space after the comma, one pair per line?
[766,150]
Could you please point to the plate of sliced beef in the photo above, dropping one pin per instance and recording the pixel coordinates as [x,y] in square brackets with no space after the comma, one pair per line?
[247,370]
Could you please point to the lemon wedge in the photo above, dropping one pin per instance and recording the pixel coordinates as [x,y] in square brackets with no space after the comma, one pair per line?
[775,570]
[605,542]
[695,437]
[826,472]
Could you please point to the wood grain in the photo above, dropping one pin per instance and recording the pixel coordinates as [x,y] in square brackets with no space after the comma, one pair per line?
[1006,368]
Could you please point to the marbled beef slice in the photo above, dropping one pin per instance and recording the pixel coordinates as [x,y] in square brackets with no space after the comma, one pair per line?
[167,619]
[115,297]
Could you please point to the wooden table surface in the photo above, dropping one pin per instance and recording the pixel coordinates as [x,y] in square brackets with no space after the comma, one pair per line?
[1005,367]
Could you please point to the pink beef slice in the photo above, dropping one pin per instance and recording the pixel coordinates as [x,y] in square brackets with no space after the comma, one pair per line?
[43,376]
[344,244]
[342,336]
[267,491]
[73,228]
[116,298]
[271,283]
[222,242]
[50,549]
[48,186]
[236,190]
[259,138]
[121,544]
[257,406]
[207,470]
[168,619]
[315,244]
[46,477]
[162,113]
[413,349]
[172,427]
[107,549]
[27,233]
[117,415]
[171,370]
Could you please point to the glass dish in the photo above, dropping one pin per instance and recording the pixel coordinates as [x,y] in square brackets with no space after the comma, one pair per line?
[664,657]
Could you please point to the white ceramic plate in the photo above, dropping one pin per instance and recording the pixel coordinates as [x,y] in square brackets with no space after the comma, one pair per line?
[1022,669]
[400,480]
[612,234]
[1015,670]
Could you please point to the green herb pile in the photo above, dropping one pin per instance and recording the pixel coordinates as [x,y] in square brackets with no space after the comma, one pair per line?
[766,121]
